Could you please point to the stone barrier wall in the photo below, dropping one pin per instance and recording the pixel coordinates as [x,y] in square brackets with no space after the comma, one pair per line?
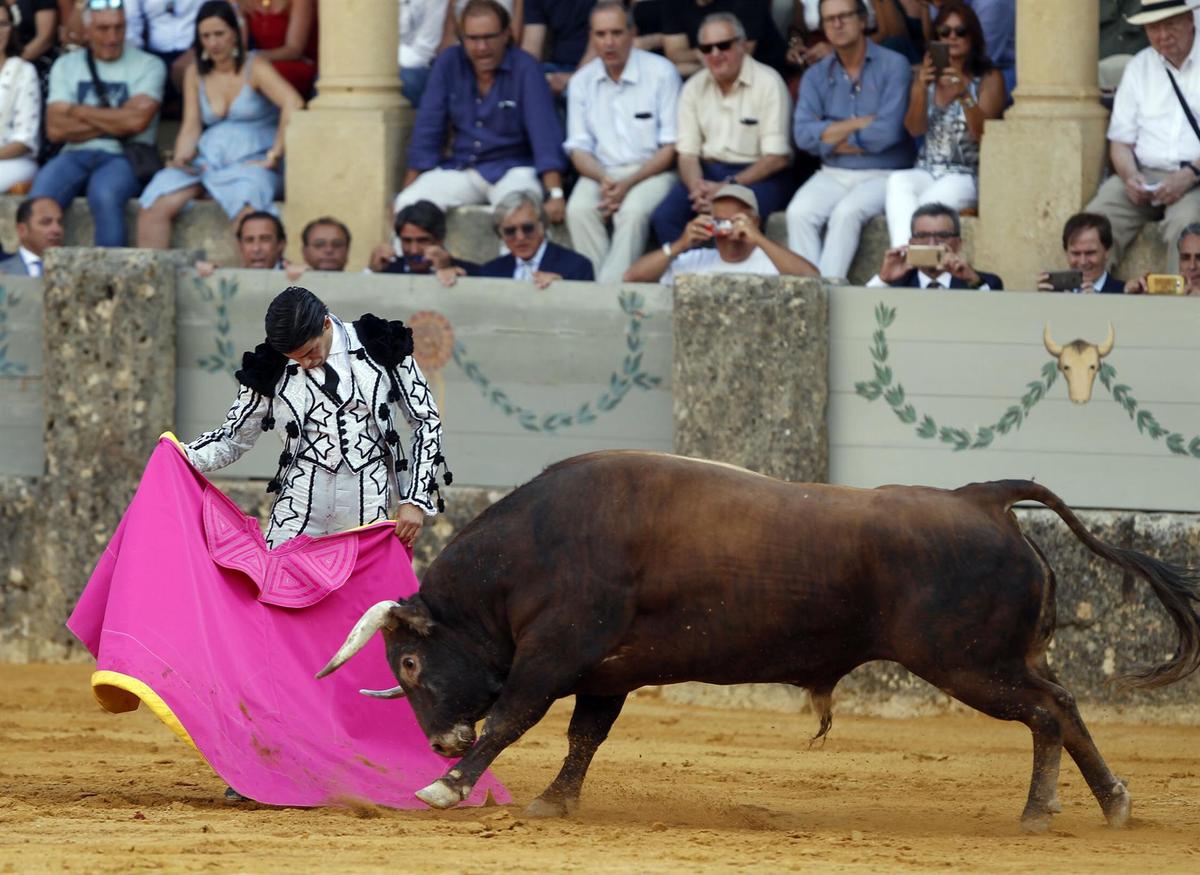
[751,388]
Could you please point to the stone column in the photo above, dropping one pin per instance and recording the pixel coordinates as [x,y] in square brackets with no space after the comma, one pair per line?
[345,152]
[1043,161]
[750,379]
[109,359]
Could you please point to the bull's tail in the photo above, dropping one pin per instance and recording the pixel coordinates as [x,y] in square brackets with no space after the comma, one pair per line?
[1177,588]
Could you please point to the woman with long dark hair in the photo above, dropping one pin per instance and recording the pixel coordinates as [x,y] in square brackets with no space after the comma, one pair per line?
[236,108]
[20,108]
[948,106]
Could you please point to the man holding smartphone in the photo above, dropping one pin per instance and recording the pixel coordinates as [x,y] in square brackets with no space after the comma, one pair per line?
[1087,241]
[933,257]
[1154,138]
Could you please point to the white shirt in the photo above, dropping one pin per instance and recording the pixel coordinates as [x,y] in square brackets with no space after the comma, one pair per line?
[752,120]
[709,261]
[33,262]
[1146,113]
[524,270]
[420,31]
[338,359]
[941,281]
[172,24]
[623,122]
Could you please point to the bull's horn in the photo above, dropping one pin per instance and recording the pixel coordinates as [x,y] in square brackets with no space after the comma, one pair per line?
[393,693]
[1051,347]
[378,616]
[1106,347]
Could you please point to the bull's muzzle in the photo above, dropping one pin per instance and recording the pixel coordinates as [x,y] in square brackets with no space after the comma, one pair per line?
[454,743]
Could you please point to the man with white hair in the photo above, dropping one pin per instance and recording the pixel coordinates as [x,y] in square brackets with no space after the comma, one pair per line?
[520,222]
[1153,136]
[621,123]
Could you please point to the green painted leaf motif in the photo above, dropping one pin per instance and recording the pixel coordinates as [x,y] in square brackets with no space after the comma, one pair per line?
[1107,374]
[1050,372]
[895,395]
[1144,420]
[983,437]
[907,415]
[870,391]
[883,375]
[928,428]
[1194,446]
[1175,444]
[880,350]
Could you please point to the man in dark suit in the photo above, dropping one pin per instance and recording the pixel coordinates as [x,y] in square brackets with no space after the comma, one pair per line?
[39,227]
[934,225]
[420,231]
[521,223]
[1087,240]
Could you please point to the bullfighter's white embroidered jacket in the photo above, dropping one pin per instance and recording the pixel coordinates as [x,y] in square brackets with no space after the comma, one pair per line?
[351,435]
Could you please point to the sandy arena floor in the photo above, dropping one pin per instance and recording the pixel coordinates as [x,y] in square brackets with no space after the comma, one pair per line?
[675,789]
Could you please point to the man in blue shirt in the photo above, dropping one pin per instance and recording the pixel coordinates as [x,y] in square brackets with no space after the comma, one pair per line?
[490,100]
[998,18]
[851,114]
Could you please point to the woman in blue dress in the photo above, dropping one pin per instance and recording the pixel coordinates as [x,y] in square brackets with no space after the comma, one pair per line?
[235,114]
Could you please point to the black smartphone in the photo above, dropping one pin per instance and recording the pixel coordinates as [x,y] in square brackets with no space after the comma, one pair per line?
[939,53]
[1065,280]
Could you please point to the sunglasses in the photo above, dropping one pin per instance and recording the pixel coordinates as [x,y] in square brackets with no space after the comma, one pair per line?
[525,228]
[959,31]
[723,46]
[98,5]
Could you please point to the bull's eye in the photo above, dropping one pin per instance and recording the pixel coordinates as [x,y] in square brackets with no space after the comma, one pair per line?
[1091,367]
[409,663]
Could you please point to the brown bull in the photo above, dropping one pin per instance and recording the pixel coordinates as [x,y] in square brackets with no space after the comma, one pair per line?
[616,570]
[1079,362]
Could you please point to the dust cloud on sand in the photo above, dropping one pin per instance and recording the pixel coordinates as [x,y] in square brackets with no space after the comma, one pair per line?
[676,789]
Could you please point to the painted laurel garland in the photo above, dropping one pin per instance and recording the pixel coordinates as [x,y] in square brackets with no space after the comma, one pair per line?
[225,358]
[8,368]
[886,386]
[630,375]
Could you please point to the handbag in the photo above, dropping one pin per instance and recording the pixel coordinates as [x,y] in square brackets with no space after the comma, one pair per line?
[143,158]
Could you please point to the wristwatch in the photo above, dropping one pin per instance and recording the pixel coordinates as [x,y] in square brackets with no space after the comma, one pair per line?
[555,193]
[968,101]
[666,250]
[1192,167]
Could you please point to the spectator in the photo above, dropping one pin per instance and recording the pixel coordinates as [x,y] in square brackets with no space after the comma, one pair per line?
[419,247]
[740,246]
[39,227]
[284,32]
[934,225]
[850,113]
[895,24]
[564,25]
[92,158]
[420,33]
[621,120]
[647,16]
[500,141]
[948,109]
[998,19]
[20,109]
[1087,240]
[1153,146]
[163,30]
[454,11]
[1188,253]
[1119,41]
[521,222]
[36,26]
[261,240]
[236,112]
[326,244]
[733,119]
[683,19]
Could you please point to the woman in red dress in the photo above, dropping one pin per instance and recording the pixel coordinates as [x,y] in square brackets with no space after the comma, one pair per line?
[285,33]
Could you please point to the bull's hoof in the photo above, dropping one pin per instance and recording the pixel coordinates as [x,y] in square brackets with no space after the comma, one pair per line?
[1035,822]
[542,807]
[1118,807]
[1054,806]
[440,795]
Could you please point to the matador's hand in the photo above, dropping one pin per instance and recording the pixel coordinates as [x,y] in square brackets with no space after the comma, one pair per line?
[409,519]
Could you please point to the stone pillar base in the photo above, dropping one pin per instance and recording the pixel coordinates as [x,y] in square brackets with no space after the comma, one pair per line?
[1036,169]
[345,163]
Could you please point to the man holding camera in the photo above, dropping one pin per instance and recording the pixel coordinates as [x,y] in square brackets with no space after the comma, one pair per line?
[1154,138]
[1087,241]
[1187,281]
[933,257]
[738,245]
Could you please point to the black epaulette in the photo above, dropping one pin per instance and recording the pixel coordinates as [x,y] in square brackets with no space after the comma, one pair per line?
[261,369]
[389,343]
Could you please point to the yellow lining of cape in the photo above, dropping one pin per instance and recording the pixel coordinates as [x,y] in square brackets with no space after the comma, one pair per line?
[118,692]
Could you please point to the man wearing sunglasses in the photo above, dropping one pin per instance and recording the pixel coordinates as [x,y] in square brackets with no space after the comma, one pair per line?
[92,129]
[733,128]
[850,114]
[934,225]
[682,20]
[521,224]
[487,124]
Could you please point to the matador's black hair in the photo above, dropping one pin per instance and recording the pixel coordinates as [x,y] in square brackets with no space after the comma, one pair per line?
[294,318]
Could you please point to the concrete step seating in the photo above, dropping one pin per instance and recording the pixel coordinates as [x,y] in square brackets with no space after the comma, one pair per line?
[469,235]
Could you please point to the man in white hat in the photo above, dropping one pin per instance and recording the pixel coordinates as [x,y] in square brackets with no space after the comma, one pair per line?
[1153,144]
[739,245]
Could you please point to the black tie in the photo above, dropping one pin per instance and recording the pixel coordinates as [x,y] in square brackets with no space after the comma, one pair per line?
[331,381]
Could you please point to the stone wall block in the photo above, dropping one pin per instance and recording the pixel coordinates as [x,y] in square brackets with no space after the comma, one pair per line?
[750,381]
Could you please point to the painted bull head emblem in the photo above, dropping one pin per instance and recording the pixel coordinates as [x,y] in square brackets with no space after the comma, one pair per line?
[1079,362]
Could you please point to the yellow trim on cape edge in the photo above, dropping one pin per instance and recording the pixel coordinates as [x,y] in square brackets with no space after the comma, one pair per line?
[105,687]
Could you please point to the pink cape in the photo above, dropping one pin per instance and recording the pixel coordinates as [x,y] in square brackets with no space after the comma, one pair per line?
[189,612]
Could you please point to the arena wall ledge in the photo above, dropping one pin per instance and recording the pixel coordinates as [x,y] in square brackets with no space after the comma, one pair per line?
[109,356]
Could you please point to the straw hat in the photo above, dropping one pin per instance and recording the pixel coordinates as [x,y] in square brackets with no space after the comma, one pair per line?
[1157,10]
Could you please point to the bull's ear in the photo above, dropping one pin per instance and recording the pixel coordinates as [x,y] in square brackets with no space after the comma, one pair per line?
[413,614]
